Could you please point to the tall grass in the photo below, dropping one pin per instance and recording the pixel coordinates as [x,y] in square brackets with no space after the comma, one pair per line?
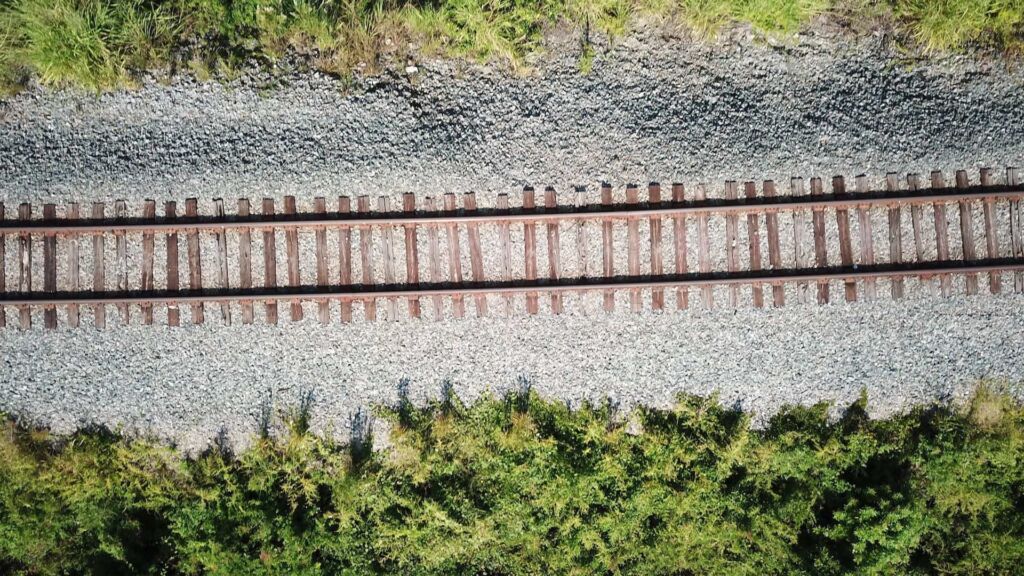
[100,44]
[90,43]
[940,25]
[773,17]
[483,29]
[520,485]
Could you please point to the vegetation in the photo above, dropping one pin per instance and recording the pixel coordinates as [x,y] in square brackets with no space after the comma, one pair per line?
[521,485]
[100,44]
[943,24]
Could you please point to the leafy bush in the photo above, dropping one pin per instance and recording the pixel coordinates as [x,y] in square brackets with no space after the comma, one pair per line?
[522,485]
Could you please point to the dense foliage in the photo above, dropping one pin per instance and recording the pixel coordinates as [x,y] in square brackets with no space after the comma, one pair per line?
[100,44]
[522,485]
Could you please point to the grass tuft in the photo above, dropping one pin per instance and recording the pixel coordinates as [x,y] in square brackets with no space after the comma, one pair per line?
[88,43]
[483,30]
[942,25]
[778,17]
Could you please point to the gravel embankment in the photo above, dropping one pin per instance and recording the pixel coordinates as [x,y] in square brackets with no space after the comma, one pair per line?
[651,111]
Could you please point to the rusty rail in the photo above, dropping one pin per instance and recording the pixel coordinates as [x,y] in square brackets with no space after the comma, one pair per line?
[362,293]
[593,212]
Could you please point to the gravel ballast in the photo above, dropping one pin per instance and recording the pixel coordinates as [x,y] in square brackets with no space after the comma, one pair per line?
[652,109]
[188,383]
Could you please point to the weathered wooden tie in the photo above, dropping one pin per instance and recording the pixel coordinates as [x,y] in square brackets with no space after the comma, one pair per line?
[323,308]
[991,238]
[412,257]
[455,256]
[867,243]
[195,267]
[607,249]
[941,234]
[754,241]
[504,239]
[895,235]
[270,261]
[291,243]
[732,222]
[221,238]
[121,271]
[530,250]
[173,313]
[796,188]
[245,261]
[703,248]
[771,224]
[966,231]
[25,265]
[657,265]
[50,267]
[845,243]
[554,248]
[345,256]
[679,242]
[633,247]
[820,247]
[917,221]
[366,258]
[476,254]
[388,245]
[74,281]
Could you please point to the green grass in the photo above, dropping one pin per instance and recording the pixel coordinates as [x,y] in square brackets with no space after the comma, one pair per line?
[104,44]
[90,43]
[940,25]
[482,29]
[778,18]
[520,485]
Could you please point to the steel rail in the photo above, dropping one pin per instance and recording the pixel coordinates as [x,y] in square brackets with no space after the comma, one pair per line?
[566,213]
[357,292]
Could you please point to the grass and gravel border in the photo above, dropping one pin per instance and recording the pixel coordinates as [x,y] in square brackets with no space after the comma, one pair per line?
[524,485]
[104,44]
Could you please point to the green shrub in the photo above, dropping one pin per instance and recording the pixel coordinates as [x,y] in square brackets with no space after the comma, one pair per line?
[89,503]
[522,485]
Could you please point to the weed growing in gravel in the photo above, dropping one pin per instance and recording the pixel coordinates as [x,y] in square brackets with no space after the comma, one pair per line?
[521,485]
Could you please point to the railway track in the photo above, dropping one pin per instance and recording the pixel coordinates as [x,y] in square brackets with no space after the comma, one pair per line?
[665,238]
